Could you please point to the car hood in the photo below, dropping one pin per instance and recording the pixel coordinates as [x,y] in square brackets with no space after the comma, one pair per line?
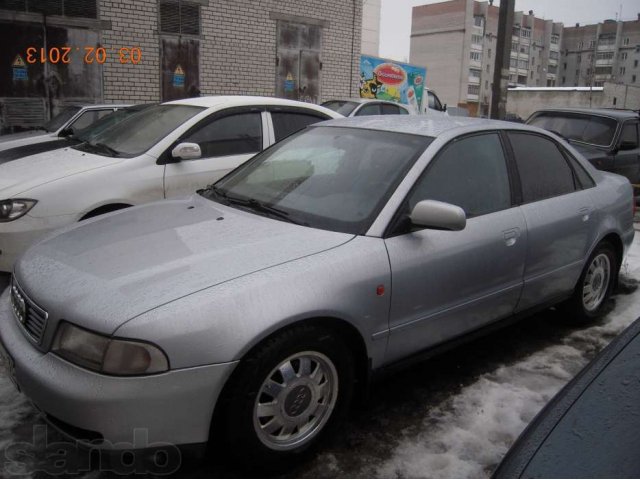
[13,140]
[23,174]
[103,272]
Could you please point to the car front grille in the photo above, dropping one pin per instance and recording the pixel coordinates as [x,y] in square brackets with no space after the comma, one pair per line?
[32,318]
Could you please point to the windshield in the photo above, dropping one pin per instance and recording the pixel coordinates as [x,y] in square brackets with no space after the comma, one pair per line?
[88,133]
[138,133]
[325,177]
[591,129]
[59,120]
[343,107]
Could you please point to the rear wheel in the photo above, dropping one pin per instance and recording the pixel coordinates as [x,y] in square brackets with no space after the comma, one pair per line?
[594,286]
[285,396]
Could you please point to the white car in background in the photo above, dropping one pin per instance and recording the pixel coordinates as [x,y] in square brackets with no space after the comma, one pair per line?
[71,119]
[165,151]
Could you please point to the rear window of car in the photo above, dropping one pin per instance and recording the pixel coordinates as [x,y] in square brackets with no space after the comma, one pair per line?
[343,107]
[585,128]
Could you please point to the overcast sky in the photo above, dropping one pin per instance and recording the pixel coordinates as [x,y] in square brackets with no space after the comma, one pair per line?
[395,25]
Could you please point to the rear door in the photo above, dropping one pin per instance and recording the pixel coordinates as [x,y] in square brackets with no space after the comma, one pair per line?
[447,283]
[627,160]
[558,213]
[227,139]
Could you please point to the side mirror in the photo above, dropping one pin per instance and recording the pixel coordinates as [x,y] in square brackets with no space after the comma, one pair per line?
[186,151]
[628,146]
[444,107]
[438,215]
[65,132]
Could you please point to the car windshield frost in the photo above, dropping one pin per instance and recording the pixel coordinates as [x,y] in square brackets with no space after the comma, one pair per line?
[591,129]
[59,120]
[138,133]
[331,178]
[341,106]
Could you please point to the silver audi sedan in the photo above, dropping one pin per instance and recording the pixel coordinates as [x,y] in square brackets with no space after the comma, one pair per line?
[252,312]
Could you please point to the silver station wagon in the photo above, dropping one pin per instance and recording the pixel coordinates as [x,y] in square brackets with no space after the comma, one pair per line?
[252,312]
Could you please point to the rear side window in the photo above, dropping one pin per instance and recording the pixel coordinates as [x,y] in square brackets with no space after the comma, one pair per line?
[543,170]
[390,109]
[231,135]
[470,173]
[286,123]
[372,109]
[629,135]
[583,177]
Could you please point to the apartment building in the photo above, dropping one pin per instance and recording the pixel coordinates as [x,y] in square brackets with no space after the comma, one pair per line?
[456,41]
[605,52]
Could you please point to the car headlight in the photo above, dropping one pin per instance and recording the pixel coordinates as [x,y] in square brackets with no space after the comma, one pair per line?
[11,210]
[108,355]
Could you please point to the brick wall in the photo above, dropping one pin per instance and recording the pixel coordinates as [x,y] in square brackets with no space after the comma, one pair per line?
[237,47]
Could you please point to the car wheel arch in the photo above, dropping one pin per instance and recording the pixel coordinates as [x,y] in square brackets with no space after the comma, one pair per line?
[342,328]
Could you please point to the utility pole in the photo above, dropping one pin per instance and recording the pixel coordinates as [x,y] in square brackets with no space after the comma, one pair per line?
[503,58]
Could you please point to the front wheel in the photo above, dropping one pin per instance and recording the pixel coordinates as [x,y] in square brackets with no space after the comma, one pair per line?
[594,286]
[285,396]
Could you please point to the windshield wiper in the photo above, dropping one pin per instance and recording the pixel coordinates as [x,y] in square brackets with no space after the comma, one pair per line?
[106,148]
[260,207]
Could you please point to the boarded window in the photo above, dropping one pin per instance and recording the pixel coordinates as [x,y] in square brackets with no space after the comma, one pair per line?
[179,17]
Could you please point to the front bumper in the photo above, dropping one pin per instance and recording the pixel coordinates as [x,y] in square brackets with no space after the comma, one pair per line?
[17,236]
[175,407]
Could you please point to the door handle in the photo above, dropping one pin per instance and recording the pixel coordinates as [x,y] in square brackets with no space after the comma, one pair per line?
[511,236]
[585,213]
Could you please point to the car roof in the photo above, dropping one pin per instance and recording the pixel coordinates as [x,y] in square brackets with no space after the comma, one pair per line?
[618,114]
[105,105]
[362,100]
[227,101]
[425,125]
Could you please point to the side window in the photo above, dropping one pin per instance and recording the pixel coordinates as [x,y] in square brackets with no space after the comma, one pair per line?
[432,100]
[629,135]
[436,103]
[390,109]
[543,170]
[231,135]
[470,173]
[371,109]
[583,177]
[286,123]
[403,111]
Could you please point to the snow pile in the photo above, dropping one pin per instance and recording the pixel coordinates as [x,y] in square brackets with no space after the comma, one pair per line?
[468,434]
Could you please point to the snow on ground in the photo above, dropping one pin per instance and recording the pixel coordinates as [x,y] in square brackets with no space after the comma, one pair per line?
[467,435]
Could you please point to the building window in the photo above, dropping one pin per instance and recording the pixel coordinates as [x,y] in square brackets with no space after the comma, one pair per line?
[525,32]
[531,75]
[604,55]
[580,45]
[553,69]
[489,53]
[635,63]
[67,8]
[598,84]
[478,20]
[592,43]
[607,39]
[626,41]
[516,31]
[177,16]
[633,79]
[476,39]
[555,39]
[513,63]
[533,61]
[475,72]
[514,46]
[486,84]
[488,68]
[564,66]
[577,73]
[604,70]
[523,49]
[622,70]
[553,55]
[473,89]
[476,56]
[579,58]
[551,83]
[564,80]
[524,64]
[623,55]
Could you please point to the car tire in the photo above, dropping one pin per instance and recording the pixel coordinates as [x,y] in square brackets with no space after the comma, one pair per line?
[594,287]
[284,398]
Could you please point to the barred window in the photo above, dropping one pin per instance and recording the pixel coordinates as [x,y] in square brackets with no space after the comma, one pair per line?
[67,8]
[181,17]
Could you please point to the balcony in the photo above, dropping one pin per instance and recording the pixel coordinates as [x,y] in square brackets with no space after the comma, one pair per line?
[604,62]
[472,98]
[474,80]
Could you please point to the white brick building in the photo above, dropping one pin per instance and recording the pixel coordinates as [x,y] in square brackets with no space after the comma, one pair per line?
[292,48]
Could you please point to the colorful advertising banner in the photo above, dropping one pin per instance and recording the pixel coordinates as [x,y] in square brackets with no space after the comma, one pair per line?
[393,81]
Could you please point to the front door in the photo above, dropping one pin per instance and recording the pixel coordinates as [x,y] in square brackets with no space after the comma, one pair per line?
[226,141]
[447,283]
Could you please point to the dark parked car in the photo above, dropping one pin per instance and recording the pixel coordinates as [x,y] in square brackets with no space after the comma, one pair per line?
[591,428]
[71,137]
[608,138]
